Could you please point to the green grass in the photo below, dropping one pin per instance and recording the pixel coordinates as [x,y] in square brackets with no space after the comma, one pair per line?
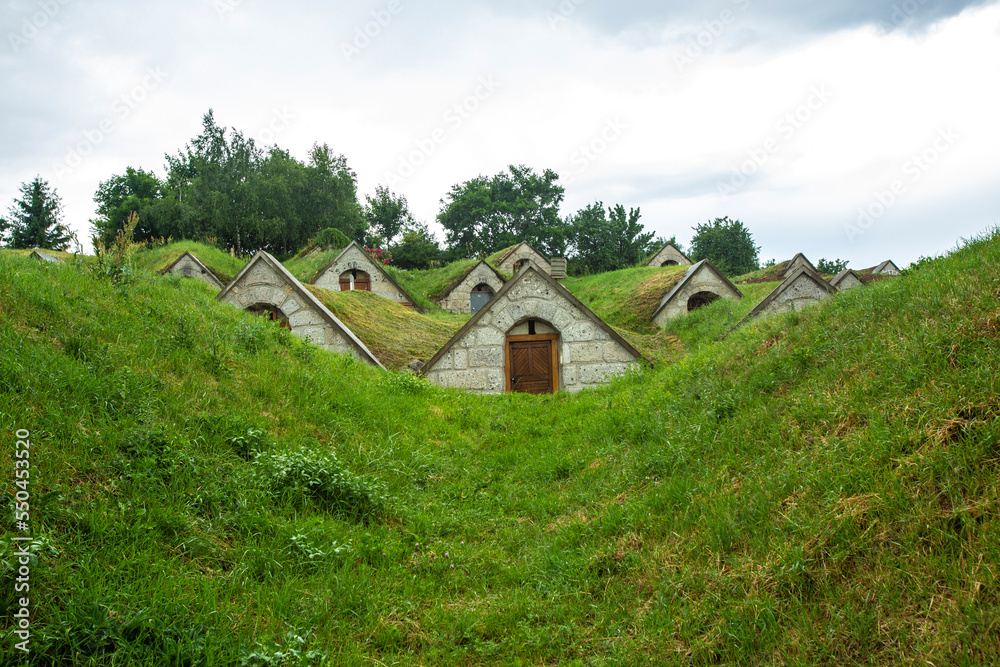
[818,488]
[428,285]
[306,268]
[626,298]
[395,334]
[222,264]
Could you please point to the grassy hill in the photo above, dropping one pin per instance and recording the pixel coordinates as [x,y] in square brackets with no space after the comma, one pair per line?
[222,264]
[818,488]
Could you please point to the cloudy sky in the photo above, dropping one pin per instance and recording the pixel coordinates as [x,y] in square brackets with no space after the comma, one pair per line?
[862,129]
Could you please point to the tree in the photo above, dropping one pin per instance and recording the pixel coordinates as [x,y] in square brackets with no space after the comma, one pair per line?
[727,244]
[606,240]
[135,191]
[417,249]
[484,215]
[386,213]
[34,219]
[831,266]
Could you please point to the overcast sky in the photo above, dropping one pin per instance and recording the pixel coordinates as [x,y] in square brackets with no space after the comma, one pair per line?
[861,130]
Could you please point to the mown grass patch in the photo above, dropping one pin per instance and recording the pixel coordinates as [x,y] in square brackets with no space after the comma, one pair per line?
[159,257]
[397,335]
[626,298]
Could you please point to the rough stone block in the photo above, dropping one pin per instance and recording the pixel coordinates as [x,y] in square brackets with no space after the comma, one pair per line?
[488,336]
[579,332]
[460,358]
[487,357]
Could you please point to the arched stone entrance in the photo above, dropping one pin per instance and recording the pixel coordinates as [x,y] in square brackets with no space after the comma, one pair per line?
[355,279]
[701,299]
[480,296]
[670,262]
[531,358]
[272,313]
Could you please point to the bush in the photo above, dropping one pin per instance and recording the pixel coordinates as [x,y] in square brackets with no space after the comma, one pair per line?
[318,476]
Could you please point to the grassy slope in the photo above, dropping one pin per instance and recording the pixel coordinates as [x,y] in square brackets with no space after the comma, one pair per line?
[429,285]
[306,268]
[222,264]
[394,333]
[821,487]
[626,298]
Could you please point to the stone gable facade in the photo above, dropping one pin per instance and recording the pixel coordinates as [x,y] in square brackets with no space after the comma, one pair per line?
[532,305]
[45,257]
[845,280]
[703,283]
[669,255]
[802,288]
[189,266]
[887,268]
[510,263]
[354,258]
[797,263]
[459,298]
[264,285]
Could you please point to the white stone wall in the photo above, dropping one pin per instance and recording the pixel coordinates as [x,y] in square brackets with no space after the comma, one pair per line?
[669,253]
[356,258]
[459,299]
[796,296]
[703,281]
[847,282]
[262,285]
[587,354]
[524,252]
[189,268]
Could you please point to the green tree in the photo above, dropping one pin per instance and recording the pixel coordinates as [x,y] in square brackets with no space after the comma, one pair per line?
[417,248]
[135,191]
[727,244]
[386,214]
[483,215]
[831,266]
[608,239]
[34,220]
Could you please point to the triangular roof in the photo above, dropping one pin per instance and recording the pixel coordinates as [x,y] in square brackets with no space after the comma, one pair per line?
[206,271]
[385,274]
[805,271]
[514,249]
[839,278]
[306,296]
[884,265]
[799,257]
[45,257]
[688,277]
[558,288]
[668,245]
[465,275]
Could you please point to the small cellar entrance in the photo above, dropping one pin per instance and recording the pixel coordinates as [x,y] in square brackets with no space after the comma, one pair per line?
[701,299]
[480,296]
[355,280]
[270,312]
[533,364]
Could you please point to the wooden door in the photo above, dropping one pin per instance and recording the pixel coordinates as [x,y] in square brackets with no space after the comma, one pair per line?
[532,364]
[345,284]
[362,283]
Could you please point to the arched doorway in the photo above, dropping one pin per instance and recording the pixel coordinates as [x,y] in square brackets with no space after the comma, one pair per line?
[480,296]
[355,279]
[670,262]
[531,359]
[519,264]
[701,299]
[270,312]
